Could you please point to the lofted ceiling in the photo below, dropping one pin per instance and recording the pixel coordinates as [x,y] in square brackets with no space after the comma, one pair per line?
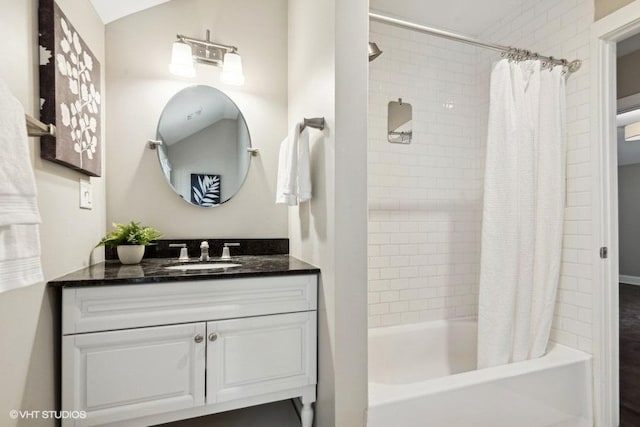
[463,16]
[110,10]
[467,17]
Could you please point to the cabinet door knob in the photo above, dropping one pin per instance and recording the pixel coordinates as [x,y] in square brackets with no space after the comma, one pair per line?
[198,338]
[213,336]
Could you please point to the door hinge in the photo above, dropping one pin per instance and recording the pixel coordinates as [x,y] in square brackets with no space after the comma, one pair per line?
[604,252]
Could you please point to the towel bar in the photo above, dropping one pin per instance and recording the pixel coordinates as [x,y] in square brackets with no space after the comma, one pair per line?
[316,123]
[37,128]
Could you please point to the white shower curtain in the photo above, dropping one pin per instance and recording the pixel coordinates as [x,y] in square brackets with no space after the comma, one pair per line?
[524,198]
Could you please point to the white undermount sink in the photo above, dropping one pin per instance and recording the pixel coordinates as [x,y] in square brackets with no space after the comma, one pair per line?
[208,266]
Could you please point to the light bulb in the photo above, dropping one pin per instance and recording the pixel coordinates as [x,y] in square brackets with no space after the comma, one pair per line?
[632,132]
[182,60]
[232,70]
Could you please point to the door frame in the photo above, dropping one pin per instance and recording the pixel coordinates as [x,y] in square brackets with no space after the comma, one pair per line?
[605,33]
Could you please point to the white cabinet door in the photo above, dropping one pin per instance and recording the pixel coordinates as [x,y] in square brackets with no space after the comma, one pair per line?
[258,355]
[132,373]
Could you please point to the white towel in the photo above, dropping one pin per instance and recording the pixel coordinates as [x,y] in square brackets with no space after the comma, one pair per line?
[304,167]
[19,256]
[17,183]
[286,189]
[294,169]
[19,216]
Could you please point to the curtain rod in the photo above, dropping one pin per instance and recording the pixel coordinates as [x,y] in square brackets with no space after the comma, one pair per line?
[507,51]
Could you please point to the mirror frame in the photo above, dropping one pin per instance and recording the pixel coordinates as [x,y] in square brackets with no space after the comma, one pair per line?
[175,191]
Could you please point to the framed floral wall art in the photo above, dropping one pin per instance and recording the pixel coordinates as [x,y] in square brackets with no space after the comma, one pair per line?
[70,93]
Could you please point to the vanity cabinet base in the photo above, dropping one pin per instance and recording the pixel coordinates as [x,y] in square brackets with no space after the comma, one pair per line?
[307,394]
[142,375]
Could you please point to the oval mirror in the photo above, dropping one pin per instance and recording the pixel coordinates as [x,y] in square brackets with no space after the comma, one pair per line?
[205,140]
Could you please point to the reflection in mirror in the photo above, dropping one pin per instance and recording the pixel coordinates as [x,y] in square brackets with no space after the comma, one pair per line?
[204,146]
[399,122]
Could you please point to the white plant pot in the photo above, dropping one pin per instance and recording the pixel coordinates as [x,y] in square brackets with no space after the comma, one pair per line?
[130,254]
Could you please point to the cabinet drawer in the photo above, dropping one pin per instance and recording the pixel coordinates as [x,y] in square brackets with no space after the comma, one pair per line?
[120,375]
[129,306]
[258,355]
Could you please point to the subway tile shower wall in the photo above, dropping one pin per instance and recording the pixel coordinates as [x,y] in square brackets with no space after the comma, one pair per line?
[425,199]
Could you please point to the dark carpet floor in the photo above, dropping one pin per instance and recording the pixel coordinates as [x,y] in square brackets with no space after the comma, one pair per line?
[629,356]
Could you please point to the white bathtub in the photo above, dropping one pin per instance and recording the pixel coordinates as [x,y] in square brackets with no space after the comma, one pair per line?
[425,375]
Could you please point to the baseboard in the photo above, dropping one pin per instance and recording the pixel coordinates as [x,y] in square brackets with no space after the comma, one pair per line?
[630,280]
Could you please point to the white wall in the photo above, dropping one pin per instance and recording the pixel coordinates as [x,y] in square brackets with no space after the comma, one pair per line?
[425,198]
[629,218]
[327,77]
[28,361]
[139,85]
[561,28]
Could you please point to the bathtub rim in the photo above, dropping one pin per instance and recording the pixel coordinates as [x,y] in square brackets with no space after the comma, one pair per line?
[557,356]
[410,327]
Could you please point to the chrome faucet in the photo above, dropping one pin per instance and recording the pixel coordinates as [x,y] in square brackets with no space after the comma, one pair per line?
[225,251]
[204,251]
[184,253]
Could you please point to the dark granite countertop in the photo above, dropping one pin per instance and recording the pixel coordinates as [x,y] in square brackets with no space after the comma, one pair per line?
[152,270]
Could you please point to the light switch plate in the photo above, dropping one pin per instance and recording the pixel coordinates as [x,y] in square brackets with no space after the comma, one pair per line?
[86,194]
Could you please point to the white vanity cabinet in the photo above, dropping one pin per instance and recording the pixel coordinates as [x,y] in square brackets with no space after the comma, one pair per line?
[144,354]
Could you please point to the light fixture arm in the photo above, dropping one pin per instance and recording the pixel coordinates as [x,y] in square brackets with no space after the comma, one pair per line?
[207,43]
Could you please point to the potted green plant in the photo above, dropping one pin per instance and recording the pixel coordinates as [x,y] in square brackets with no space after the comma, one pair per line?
[130,241]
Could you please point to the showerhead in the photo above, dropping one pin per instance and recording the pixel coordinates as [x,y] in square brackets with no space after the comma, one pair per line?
[374,51]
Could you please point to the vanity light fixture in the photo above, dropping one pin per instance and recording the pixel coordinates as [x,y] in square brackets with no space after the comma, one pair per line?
[186,50]
[632,132]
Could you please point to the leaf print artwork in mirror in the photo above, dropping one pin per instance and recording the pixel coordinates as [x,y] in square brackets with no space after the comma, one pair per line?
[70,93]
[205,190]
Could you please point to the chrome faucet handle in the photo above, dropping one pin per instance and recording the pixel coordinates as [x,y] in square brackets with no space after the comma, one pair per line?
[226,255]
[184,253]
